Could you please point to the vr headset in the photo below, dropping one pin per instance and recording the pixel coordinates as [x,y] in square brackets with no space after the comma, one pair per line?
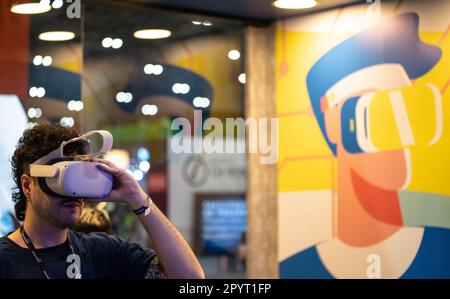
[61,174]
[384,111]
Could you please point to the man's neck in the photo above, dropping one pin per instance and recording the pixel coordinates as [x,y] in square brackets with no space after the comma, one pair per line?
[42,234]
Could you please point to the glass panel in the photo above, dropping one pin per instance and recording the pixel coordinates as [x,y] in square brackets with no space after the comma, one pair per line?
[136,86]
[40,73]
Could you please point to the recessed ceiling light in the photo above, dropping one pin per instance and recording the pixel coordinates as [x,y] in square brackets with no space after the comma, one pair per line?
[56,36]
[149,109]
[30,8]
[234,54]
[57,4]
[152,33]
[47,60]
[295,4]
[107,42]
[117,43]
[37,60]
[242,78]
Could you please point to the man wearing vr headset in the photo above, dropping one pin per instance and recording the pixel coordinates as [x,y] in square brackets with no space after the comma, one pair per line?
[45,248]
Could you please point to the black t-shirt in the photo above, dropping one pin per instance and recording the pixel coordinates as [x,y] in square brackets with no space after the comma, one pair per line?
[101,256]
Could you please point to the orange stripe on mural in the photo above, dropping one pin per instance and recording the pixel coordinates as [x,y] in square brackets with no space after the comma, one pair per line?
[284,66]
[445,87]
[295,113]
[444,35]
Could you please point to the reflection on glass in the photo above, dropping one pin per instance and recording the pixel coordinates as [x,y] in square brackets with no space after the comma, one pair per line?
[38,78]
[166,65]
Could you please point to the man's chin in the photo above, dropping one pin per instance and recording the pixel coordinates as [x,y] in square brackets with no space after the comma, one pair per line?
[69,218]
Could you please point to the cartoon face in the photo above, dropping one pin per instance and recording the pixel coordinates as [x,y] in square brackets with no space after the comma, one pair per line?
[378,201]
[369,112]
[345,115]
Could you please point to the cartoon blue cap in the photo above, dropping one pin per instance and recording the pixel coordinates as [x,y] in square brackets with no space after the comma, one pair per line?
[392,41]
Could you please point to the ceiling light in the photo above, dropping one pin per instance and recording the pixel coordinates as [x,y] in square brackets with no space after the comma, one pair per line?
[121,97]
[201,102]
[30,8]
[57,4]
[117,43]
[156,69]
[75,105]
[32,113]
[79,106]
[295,4]
[38,112]
[242,78]
[53,36]
[182,88]
[67,121]
[107,42]
[40,92]
[207,23]
[37,60]
[234,54]
[196,23]
[148,69]
[144,166]
[124,97]
[33,92]
[128,97]
[71,105]
[47,60]
[149,109]
[152,33]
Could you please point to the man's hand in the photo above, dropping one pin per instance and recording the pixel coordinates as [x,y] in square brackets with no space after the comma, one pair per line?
[125,189]
[171,248]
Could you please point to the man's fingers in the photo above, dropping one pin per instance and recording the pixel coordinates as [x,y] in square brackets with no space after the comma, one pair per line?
[109,169]
[116,172]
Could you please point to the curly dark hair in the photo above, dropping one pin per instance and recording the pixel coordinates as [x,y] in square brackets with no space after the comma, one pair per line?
[35,143]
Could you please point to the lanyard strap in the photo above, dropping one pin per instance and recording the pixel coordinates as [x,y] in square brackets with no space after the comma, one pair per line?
[31,247]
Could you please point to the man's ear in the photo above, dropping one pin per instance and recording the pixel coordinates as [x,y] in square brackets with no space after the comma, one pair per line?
[26,183]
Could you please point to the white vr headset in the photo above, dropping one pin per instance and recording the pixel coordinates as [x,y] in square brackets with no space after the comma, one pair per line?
[75,176]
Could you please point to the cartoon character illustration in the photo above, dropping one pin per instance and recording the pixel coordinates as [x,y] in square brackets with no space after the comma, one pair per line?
[370,113]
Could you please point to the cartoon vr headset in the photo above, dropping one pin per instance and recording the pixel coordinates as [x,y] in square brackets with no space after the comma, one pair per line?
[384,111]
[61,174]
[370,76]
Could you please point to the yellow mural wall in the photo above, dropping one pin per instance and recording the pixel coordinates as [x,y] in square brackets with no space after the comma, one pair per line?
[314,234]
